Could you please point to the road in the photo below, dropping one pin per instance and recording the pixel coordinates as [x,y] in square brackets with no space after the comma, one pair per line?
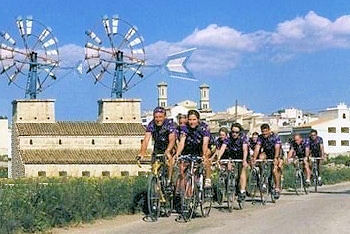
[325,212]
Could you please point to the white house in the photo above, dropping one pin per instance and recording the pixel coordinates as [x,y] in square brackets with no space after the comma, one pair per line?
[333,126]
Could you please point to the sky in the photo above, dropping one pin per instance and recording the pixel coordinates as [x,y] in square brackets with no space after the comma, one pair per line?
[266,54]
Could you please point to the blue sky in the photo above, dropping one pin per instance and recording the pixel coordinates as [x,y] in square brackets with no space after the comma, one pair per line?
[267,54]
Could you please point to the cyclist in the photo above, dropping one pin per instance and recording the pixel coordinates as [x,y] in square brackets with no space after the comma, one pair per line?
[317,150]
[163,132]
[300,148]
[238,145]
[194,140]
[268,146]
[221,144]
[252,142]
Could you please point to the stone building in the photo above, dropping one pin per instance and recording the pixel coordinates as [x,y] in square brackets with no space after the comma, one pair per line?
[42,146]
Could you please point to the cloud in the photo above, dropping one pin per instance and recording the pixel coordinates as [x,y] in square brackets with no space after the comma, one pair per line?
[221,48]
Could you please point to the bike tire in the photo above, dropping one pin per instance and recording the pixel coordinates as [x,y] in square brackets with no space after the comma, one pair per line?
[188,200]
[220,189]
[205,197]
[252,184]
[231,192]
[315,175]
[153,197]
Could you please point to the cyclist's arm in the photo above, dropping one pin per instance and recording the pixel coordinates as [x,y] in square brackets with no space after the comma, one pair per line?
[256,151]
[290,154]
[245,153]
[322,151]
[277,150]
[205,146]
[144,144]
[221,151]
[181,145]
[172,139]
[307,152]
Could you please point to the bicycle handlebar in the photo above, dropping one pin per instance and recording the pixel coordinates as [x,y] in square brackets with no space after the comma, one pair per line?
[230,160]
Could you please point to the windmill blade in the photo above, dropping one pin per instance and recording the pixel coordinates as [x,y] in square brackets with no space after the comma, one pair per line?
[7,37]
[29,25]
[115,24]
[93,37]
[176,63]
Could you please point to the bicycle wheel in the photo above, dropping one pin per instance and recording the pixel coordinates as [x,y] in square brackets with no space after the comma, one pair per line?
[231,191]
[264,188]
[299,184]
[153,197]
[205,197]
[188,199]
[220,189]
[271,186]
[305,187]
[167,206]
[315,176]
[252,184]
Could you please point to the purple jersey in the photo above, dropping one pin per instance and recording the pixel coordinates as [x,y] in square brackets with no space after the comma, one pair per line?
[268,144]
[235,146]
[219,142]
[161,134]
[315,146]
[300,149]
[194,138]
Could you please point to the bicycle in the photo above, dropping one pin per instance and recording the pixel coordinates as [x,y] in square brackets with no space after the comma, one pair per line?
[193,193]
[261,179]
[159,197]
[228,183]
[300,181]
[316,172]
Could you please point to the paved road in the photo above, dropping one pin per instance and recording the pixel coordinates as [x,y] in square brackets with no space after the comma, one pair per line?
[325,212]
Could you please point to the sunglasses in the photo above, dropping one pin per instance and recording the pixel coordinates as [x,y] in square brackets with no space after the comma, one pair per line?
[313,135]
[235,132]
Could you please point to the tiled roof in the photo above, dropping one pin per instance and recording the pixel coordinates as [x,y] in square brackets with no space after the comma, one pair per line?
[68,156]
[80,129]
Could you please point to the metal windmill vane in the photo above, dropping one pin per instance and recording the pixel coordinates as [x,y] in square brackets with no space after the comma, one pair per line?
[116,50]
[30,57]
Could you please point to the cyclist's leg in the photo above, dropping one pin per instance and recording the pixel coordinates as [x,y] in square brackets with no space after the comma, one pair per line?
[243,178]
[277,173]
[207,165]
[307,169]
[170,163]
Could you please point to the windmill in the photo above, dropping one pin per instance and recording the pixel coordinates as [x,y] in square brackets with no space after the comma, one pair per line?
[117,51]
[30,57]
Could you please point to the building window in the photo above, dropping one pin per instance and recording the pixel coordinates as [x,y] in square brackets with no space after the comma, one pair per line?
[332,130]
[62,173]
[344,130]
[86,173]
[204,93]
[162,90]
[106,173]
[344,116]
[60,142]
[332,143]
[120,141]
[42,173]
[141,141]
[93,141]
[30,141]
[125,173]
[344,143]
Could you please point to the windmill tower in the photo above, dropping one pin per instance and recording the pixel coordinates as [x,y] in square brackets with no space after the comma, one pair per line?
[162,94]
[204,98]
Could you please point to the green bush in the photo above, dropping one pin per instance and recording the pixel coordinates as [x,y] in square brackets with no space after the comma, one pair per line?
[3,172]
[341,159]
[36,205]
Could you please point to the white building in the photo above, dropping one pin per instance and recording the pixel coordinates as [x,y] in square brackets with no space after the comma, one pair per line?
[162,94]
[4,136]
[333,126]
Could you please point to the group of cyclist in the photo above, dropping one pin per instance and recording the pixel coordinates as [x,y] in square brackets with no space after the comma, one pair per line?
[191,136]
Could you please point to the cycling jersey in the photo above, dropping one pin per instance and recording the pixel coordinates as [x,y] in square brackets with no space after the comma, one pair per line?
[268,144]
[300,149]
[161,134]
[315,146]
[235,146]
[219,142]
[194,138]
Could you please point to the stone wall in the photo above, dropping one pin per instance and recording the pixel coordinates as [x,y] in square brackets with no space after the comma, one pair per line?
[17,165]
[119,111]
[76,170]
[33,111]
[80,142]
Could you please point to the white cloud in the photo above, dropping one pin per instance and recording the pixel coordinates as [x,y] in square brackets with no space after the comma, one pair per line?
[221,48]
